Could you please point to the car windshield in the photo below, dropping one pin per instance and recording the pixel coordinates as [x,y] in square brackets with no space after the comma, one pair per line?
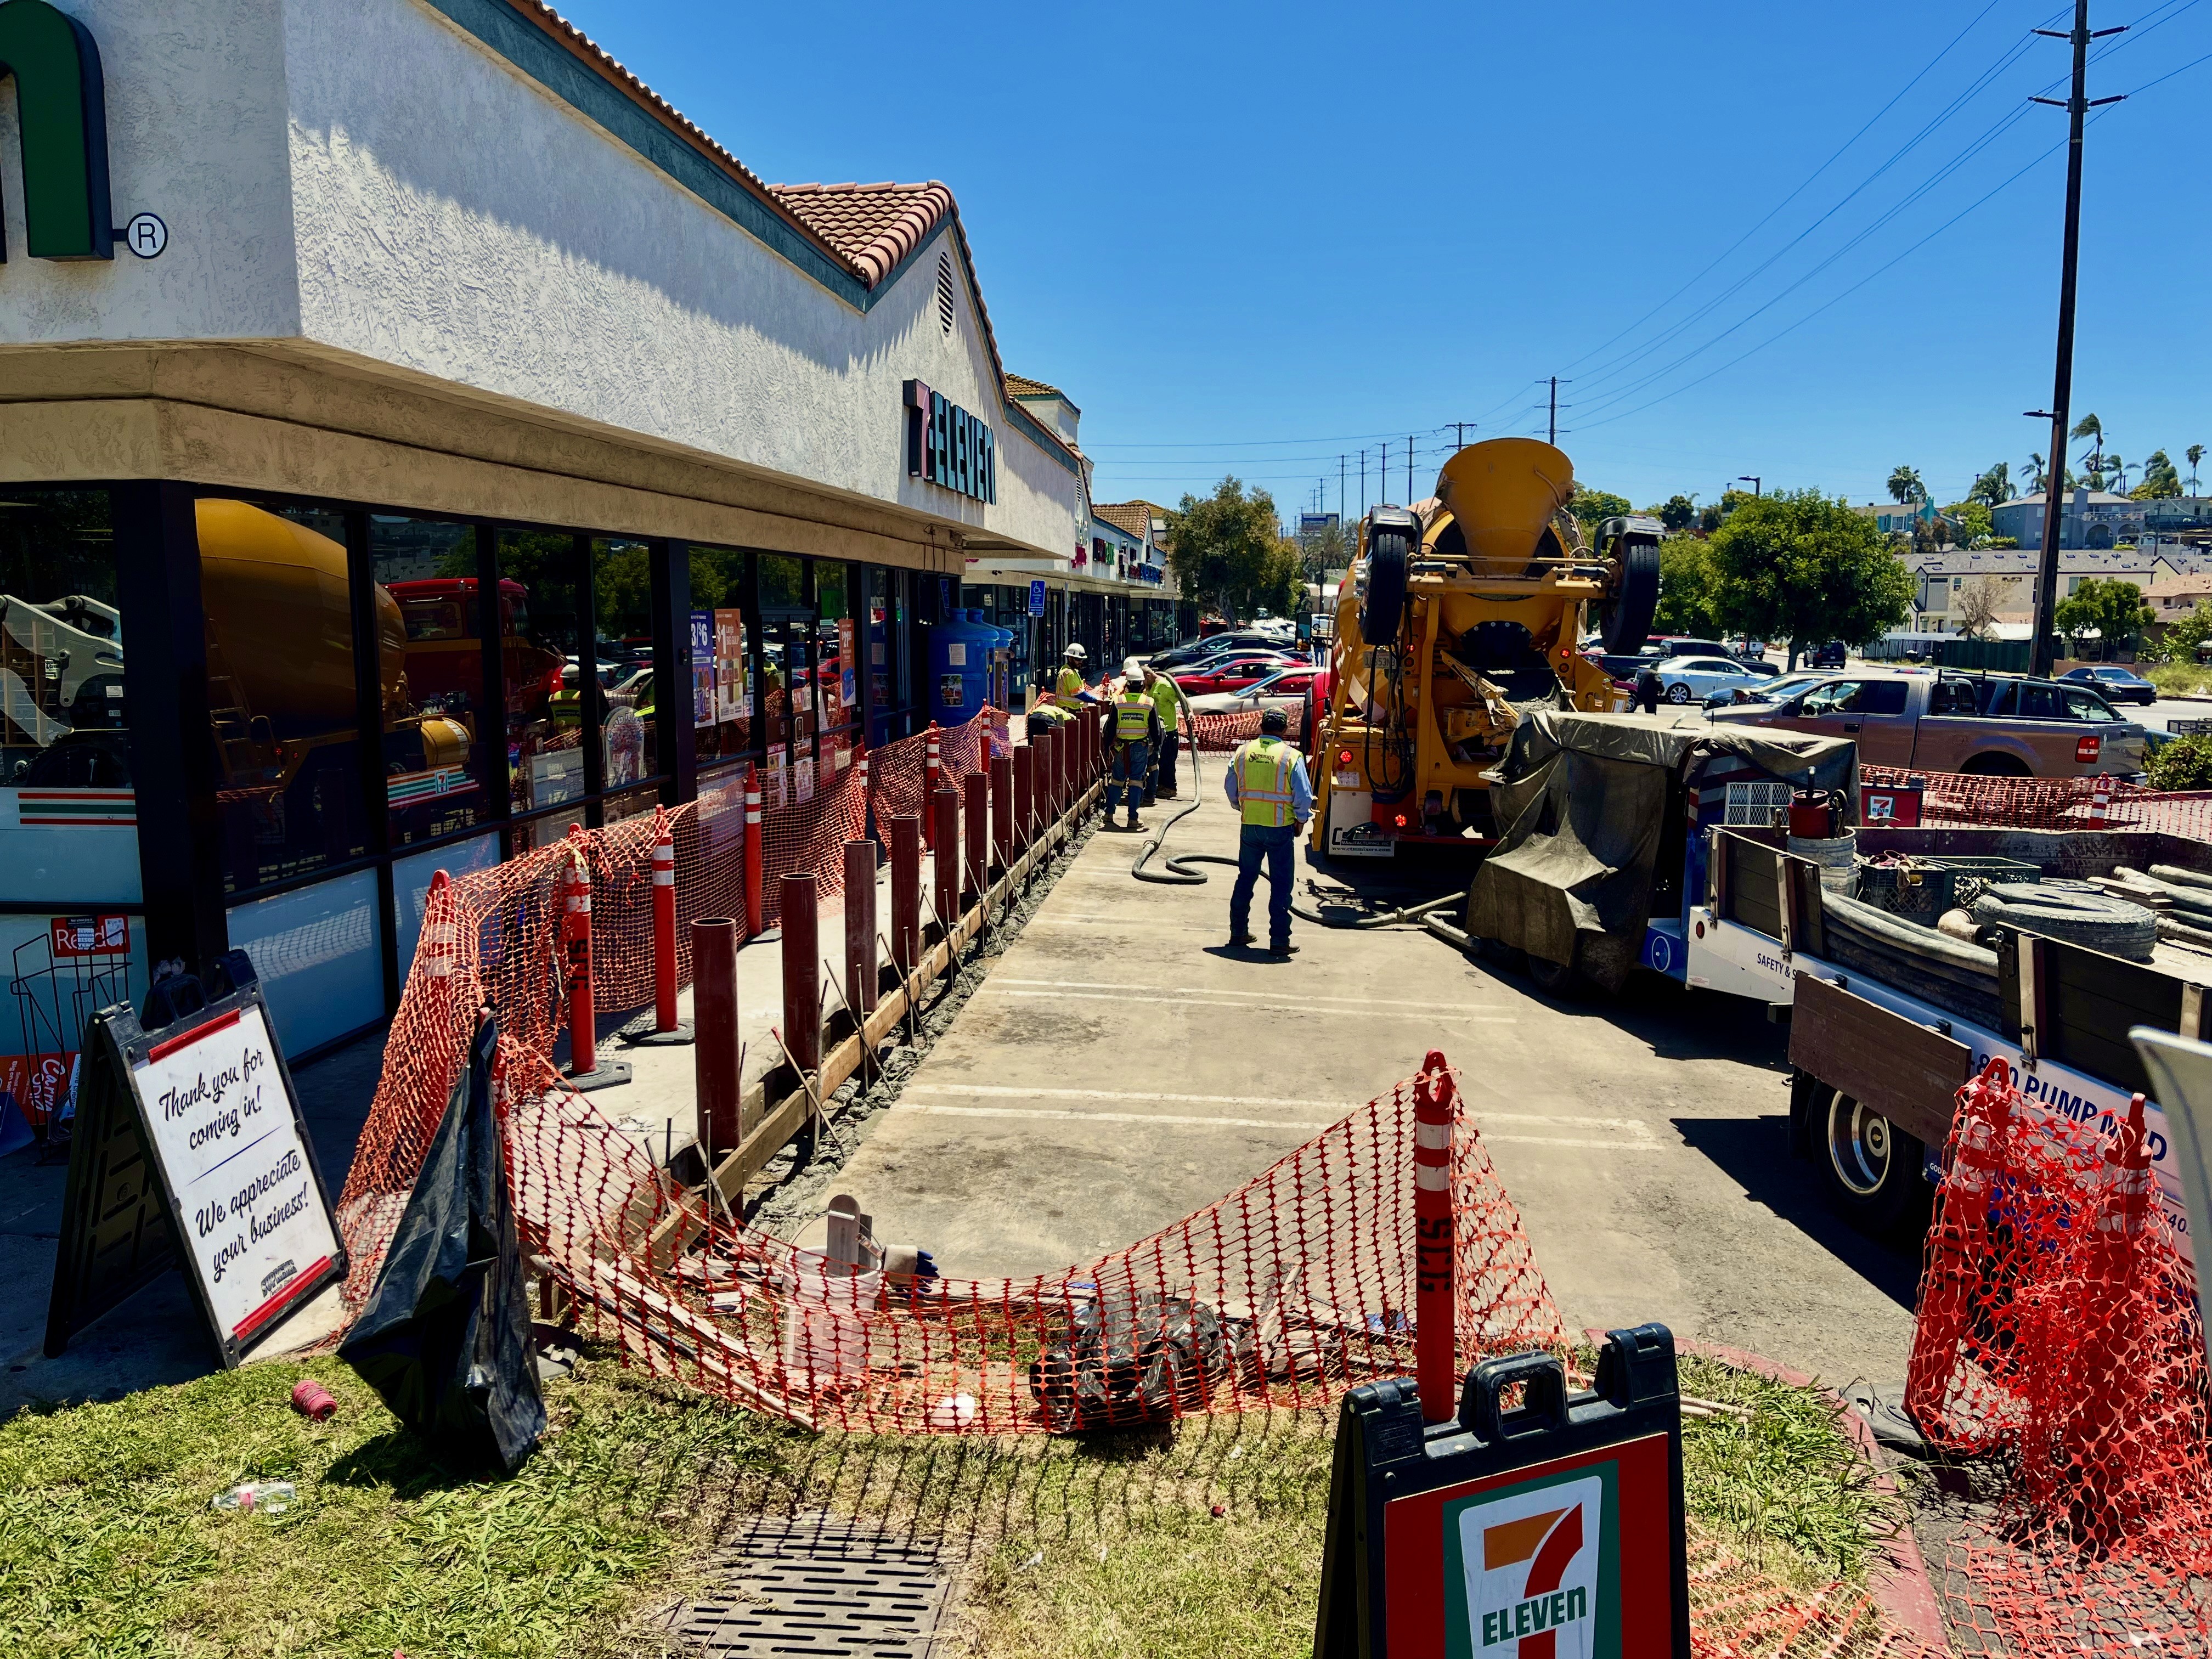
[1289,679]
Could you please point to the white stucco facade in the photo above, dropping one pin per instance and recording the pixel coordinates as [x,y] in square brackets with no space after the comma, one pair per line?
[375,188]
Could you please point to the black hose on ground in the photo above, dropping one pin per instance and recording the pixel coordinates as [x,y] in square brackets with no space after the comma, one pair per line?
[1175,872]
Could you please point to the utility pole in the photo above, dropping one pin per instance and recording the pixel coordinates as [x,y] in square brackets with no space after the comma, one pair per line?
[1382,473]
[1750,478]
[1363,484]
[1339,492]
[1409,469]
[2076,106]
[1551,431]
[1459,435]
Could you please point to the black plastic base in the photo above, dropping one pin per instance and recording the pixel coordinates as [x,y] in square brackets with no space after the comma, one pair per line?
[641,1033]
[607,1074]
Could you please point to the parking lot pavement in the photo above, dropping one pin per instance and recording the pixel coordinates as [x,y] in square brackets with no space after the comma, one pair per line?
[1121,1067]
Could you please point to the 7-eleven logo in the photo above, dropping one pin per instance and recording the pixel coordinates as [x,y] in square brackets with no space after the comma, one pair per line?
[1531,1567]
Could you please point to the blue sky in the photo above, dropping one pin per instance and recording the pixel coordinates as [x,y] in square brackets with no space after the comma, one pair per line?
[1250,239]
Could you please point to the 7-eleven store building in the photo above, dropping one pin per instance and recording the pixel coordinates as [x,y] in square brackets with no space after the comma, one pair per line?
[416,438]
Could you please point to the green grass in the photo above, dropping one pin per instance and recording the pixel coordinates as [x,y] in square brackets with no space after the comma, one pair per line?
[1077,1547]
[2180,679]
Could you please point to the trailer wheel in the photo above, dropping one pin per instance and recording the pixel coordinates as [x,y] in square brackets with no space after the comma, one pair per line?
[1872,1170]
[1389,549]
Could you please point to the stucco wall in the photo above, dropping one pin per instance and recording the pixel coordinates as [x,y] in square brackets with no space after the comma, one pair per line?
[196,134]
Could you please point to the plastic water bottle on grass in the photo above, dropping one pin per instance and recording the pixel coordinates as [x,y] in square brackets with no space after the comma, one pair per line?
[269,1497]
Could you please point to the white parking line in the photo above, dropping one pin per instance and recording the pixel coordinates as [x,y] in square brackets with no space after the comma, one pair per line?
[1219,990]
[1272,1007]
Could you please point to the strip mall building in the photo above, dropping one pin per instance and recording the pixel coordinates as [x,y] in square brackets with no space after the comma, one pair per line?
[416,438]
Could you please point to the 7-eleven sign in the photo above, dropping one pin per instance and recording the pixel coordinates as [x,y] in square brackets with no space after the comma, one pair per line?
[1530,1565]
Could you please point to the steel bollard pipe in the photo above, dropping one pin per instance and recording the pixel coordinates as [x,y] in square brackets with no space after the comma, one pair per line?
[1435,1104]
[714,1032]
[752,851]
[859,928]
[975,834]
[802,972]
[1002,810]
[664,923]
[946,808]
[906,893]
[1025,761]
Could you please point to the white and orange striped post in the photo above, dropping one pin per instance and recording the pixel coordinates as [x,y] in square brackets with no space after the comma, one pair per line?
[2101,803]
[752,851]
[1435,1104]
[576,939]
[664,923]
[929,790]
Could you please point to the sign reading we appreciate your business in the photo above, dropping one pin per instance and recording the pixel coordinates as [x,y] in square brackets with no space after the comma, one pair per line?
[189,1149]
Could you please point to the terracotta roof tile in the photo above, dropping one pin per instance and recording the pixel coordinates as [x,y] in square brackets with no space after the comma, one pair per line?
[1135,517]
[873,226]
[1020,386]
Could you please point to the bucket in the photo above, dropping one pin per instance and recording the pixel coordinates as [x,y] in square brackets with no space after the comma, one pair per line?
[1812,818]
[825,1328]
[1836,855]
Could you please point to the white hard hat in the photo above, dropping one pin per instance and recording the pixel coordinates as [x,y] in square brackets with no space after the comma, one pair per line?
[1077,652]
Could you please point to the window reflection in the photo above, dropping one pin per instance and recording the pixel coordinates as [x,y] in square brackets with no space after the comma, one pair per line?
[720,663]
[543,685]
[787,701]
[836,680]
[432,673]
[281,693]
[622,596]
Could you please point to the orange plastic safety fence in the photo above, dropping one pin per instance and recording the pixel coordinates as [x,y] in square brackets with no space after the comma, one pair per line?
[2058,1338]
[1218,731]
[1956,800]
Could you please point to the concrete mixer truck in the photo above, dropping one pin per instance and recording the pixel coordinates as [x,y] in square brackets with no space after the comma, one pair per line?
[1459,614]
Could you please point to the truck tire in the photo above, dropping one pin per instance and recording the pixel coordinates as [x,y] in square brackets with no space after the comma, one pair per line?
[1554,978]
[1627,620]
[1996,766]
[1871,1167]
[2078,915]
[1389,550]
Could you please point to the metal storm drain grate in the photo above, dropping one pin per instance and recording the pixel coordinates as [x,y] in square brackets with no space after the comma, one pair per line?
[819,1584]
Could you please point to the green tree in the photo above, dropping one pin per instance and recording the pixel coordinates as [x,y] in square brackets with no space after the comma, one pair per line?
[2195,454]
[1228,549]
[2113,609]
[2115,473]
[1592,508]
[1796,565]
[2180,642]
[1685,588]
[1677,513]
[2161,479]
[1975,525]
[1905,485]
[1994,487]
[2184,764]
[2094,463]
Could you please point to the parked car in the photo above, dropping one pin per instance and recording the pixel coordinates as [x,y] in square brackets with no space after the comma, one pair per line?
[1693,679]
[1993,727]
[1679,645]
[1763,691]
[2118,684]
[1285,689]
[1212,645]
[1831,655]
[1233,670]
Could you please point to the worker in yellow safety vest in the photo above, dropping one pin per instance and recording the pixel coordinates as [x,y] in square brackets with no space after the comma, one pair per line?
[1168,698]
[1046,717]
[1070,692]
[1134,719]
[1267,783]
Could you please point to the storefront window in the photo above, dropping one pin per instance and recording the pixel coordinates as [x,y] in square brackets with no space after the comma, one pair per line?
[836,675]
[787,702]
[430,632]
[622,596]
[281,699]
[319,952]
[543,686]
[721,668]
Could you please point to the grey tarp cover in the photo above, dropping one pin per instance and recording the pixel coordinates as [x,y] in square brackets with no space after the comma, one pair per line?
[1584,799]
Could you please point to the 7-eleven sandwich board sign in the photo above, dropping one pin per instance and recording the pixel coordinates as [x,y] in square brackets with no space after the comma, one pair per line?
[1552,1529]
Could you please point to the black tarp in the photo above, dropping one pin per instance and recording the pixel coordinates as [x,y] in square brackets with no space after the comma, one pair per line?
[446,1336]
[1584,799]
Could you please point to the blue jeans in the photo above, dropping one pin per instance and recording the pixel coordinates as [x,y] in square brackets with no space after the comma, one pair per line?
[1278,849]
[1129,768]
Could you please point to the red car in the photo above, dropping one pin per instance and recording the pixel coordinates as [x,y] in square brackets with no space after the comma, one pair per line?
[1236,671]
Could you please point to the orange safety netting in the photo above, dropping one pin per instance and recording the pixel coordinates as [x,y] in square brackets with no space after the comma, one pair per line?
[1957,800]
[2058,1340]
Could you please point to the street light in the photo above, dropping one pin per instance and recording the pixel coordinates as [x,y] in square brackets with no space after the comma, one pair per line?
[1745,477]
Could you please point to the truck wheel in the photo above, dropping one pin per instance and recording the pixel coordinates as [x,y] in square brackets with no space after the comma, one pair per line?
[1627,619]
[1389,550]
[1996,766]
[1873,1170]
[1559,979]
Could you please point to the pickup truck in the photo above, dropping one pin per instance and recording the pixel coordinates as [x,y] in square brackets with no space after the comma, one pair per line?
[1993,725]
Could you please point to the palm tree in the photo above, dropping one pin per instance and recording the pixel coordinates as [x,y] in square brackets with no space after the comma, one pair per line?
[2195,453]
[1994,487]
[1905,485]
[2118,470]
[2039,479]
[2090,427]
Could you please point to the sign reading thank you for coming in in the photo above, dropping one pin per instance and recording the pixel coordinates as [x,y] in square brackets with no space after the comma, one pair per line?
[946,445]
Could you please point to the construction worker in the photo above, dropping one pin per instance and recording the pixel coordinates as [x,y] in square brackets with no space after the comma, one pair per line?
[1134,719]
[1070,692]
[1266,782]
[1046,717]
[1167,698]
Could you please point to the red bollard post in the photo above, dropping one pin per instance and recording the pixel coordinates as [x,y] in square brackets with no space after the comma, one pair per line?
[752,851]
[585,1071]
[975,799]
[1025,761]
[859,928]
[906,893]
[714,1017]
[664,923]
[802,973]
[1002,810]
[929,777]
[945,806]
[1435,1365]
